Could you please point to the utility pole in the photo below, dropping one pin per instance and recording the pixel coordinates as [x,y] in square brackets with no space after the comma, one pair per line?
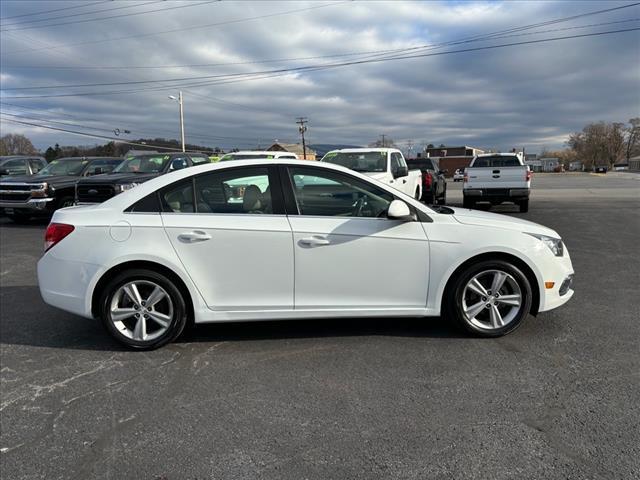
[303,128]
[180,102]
[383,144]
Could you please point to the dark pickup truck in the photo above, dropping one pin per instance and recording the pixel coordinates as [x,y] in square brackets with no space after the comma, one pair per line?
[131,172]
[53,187]
[434,184]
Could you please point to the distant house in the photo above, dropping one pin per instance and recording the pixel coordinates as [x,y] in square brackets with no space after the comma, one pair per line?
[548,164]
[293,148]
[452,158]
[576,166]
[634,163]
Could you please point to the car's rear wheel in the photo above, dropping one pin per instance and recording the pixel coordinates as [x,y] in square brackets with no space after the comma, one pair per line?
[489,299]
[468,203]
[524,206]
[143,309]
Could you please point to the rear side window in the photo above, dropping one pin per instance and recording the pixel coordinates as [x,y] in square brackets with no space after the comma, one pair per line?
[244,190]
[178,198]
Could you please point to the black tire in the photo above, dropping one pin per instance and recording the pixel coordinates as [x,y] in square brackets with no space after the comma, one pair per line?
[443,198]
[468,203]
[428,198]
[179,310]
[524,206]
[453,305]
[417,194]
[64,202]
[19,218]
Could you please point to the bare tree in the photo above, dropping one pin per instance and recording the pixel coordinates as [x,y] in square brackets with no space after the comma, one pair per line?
[632,144]
[16,144]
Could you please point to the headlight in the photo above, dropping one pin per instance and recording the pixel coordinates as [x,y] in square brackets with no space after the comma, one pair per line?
[554,244]
[125,186]
[39,191]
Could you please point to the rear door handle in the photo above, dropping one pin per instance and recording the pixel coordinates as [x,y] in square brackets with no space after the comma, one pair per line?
[315,241]
[194,236]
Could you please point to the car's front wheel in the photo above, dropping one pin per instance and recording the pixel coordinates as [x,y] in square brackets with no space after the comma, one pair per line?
[143,309]
[489,299]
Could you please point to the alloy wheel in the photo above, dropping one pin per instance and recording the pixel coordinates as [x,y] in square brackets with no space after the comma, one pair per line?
[141,310]
[491,300]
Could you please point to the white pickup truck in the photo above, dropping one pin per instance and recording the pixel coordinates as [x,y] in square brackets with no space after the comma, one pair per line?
[497,178]
[387,165]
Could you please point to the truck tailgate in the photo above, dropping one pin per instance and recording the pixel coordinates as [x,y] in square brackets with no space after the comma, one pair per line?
[497,177]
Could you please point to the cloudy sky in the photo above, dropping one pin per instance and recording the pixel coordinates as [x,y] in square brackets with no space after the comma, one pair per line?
[112,64]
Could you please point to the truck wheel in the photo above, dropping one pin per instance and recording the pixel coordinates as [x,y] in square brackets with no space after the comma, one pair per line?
[524,206]
[468,203]
[443,197]
[429,198]
[65,202]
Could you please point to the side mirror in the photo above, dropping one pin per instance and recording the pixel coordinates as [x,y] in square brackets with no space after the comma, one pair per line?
[177,164]
[400,172]
[398,210]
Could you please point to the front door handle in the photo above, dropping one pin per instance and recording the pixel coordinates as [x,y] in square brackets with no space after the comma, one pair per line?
[315,241]
[194,236]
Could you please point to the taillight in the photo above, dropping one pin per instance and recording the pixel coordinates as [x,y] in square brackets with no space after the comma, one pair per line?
[528,175]
[55,233]
[428,180]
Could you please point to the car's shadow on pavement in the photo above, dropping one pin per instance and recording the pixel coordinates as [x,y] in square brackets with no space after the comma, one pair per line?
[26,320]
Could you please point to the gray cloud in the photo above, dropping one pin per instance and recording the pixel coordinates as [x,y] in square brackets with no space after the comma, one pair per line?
[531,95]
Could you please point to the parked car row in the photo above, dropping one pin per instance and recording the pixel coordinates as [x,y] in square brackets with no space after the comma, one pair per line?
[493,178]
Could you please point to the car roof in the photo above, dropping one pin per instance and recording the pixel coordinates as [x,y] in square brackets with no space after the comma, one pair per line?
[259,152]
[364,150]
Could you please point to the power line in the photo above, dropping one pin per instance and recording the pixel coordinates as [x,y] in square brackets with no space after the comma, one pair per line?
[238,76]
[114,16]
[74,15]
[190,28]
[104,137]
[42,114]
[54,10]
[489,36]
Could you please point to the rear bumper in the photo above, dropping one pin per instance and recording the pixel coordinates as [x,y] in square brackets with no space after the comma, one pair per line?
[65,284]
[33,205]
[497,193]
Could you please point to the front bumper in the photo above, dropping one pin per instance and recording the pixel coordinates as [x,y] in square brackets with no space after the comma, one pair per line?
[561,273]
[34,205]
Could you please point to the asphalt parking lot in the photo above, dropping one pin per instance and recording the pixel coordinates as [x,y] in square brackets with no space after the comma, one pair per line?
[389,398]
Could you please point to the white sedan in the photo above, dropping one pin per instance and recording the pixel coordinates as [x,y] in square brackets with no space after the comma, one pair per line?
[284,239]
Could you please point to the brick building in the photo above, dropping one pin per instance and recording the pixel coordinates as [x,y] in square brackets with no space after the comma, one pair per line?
[452,158]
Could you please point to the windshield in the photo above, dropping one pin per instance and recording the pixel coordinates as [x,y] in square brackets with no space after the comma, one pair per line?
[143,164]
[64,166]
[359,161]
